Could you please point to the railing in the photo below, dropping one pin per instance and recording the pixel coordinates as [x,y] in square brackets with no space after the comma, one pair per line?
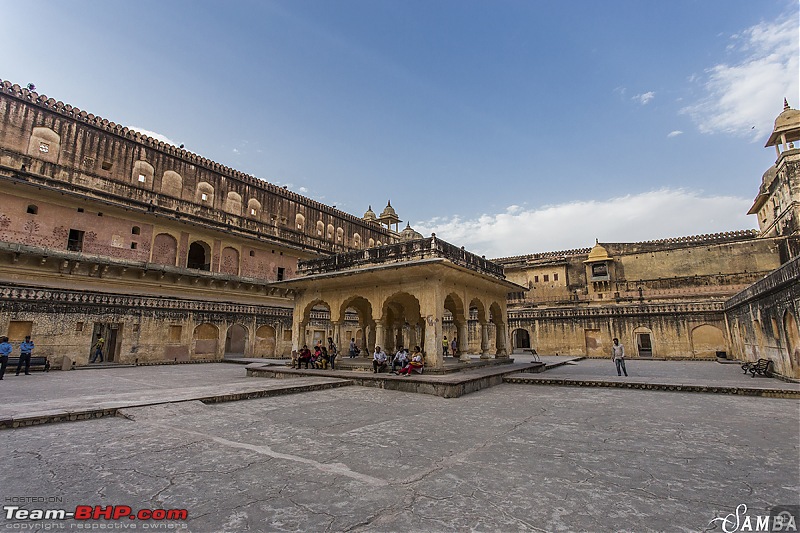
[401,252]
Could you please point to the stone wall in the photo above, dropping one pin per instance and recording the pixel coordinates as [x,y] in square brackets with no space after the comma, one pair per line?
[762,320]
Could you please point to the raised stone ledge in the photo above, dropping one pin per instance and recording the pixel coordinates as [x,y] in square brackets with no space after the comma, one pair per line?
[617,310]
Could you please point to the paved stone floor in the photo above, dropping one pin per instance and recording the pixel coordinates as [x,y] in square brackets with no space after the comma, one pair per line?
[510,458]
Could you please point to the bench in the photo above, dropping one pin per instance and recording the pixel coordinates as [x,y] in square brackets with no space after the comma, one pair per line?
[760,367]
[35,362]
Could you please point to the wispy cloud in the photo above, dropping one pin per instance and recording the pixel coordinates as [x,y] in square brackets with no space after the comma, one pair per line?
[743,96]
[644,98]
[154,135]
[636,217]
[674,133]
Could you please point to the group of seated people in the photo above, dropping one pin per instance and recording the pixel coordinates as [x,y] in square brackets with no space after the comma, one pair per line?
[401,361]
[321,357]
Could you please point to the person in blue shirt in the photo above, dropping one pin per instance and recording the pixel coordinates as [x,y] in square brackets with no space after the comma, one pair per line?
[5,351]
[25,350]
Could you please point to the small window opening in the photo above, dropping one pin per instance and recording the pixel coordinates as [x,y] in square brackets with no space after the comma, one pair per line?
[203,196]
[75,240]
[555,277]
[44,147]
[547,277]
[80,210]
[252,253]
[252,212]
[134,245]
[536,279]
[281,273]
[79,326]
[107,165]
[33,210]
[135,230]
[142,178]
[99,214]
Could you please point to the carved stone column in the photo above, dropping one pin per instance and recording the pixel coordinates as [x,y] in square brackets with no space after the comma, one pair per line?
[463,341]
[485,340]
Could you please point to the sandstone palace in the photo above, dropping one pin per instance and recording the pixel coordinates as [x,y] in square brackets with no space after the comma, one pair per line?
[170,257]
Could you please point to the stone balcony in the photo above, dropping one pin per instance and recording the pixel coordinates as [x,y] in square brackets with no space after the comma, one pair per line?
[401,252]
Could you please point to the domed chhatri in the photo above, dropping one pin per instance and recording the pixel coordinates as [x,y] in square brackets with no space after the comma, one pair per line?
[787,129]
[389,217]
[369,216]
[409,234]
[598,253]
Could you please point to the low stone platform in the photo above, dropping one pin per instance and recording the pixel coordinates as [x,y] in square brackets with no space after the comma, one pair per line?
[448,385]
[71,408]
[684,376]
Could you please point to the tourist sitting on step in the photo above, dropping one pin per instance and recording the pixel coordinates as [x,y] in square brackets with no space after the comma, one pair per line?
[304,356]
[322,358]
[400,360]
[416,364]
[378,360]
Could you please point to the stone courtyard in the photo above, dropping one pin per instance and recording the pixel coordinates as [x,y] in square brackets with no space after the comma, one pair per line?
[508,458]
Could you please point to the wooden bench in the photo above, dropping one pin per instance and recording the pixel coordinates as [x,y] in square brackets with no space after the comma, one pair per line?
[35,362]
[760,367]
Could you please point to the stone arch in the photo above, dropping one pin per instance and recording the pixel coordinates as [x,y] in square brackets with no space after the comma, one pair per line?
[266,339]
[172,183]
[165,250]
[455,306]
[642,341]
[366,324]
[142,175]
[299,222]
[520,339]
[400,322]
[236,341]
[44,144]
[371,242]
[339,236]
[330,232]
[318,327]
[229,261]
[205,339]
[199,256]
[320,228]
[792,338]
[204,194]
[233,203]
[356,240]
[707,340]
[254,208]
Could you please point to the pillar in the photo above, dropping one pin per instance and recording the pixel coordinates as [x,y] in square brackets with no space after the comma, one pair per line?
[380,335]
[463,341]
[502,340]
[484,340]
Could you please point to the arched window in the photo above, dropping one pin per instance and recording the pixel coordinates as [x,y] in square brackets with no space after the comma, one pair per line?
[135,230]
[253,208]
[33,210]
[172,183]
[142,173]
[233,203]
[320,228]
[199,256]
[300,222]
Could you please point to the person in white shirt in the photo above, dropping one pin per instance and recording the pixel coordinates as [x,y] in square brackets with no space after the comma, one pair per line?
[378,360]
[618,356]
[400,359]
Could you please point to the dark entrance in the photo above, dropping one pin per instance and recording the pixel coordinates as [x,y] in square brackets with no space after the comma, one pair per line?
[644,345]
[522,339]
[112,334]
[199,257]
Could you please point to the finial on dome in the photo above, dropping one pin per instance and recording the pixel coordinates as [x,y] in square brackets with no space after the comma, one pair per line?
[785,104]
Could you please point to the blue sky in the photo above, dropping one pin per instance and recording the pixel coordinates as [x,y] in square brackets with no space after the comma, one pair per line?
[508,127]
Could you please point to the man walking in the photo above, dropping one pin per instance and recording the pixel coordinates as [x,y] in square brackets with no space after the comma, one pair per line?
[618,356]
[25,350]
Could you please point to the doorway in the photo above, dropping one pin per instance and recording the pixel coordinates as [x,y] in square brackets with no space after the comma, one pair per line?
[644,345]
[112,334]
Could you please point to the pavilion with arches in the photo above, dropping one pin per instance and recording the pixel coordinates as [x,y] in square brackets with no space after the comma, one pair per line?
[400,294]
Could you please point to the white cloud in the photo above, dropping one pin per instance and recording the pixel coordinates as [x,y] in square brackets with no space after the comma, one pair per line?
[235,150]
[743,96]
[636,217]
[674,133]
[302,190]
[644,98]
[155,135]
